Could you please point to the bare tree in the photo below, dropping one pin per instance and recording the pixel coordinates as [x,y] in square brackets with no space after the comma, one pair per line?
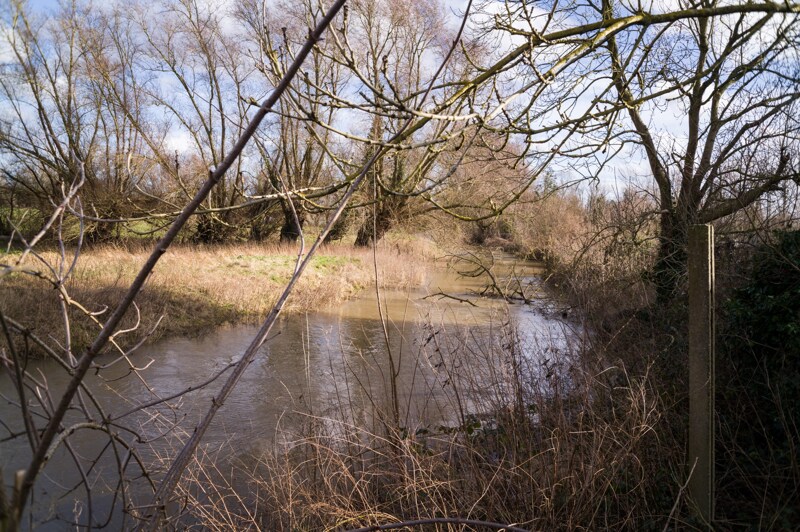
[386,53]
[736,136]
[56,118]
[200,79]
[295,153]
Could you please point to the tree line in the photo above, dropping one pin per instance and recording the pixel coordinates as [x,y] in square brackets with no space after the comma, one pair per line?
[703,96]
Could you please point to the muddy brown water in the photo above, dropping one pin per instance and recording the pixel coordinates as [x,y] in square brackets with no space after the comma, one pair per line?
[330,366]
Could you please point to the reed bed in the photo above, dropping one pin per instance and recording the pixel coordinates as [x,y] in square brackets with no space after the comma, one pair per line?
[563,445]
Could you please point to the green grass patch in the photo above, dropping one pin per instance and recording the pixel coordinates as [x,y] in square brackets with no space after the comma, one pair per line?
[326,262]
[280,267]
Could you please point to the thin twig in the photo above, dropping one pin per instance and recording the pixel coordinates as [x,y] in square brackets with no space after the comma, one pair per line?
[443,521]
[186,454]
[54,426]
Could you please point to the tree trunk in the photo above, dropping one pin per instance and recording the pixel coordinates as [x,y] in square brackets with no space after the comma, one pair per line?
[7,218]
[100,232]
[340,227]
[292,226]
[372,230]
[210,230]
[669,271]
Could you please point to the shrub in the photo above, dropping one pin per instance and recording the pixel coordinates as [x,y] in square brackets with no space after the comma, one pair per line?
[760,402]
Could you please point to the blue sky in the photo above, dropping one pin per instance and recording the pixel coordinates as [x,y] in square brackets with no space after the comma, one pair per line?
[44,5]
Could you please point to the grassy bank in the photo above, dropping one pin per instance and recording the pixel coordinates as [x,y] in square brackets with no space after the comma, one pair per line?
[194,288]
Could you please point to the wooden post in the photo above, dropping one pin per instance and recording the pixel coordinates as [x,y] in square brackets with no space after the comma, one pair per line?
[701,369]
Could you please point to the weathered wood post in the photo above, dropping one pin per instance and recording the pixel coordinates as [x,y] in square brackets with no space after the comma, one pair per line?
[701,369]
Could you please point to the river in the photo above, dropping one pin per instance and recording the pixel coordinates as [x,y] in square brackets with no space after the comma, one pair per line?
[330,366]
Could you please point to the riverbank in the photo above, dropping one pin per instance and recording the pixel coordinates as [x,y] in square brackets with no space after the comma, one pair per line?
[196,288]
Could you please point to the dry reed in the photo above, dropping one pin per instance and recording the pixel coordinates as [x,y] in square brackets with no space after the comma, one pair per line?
[543,449]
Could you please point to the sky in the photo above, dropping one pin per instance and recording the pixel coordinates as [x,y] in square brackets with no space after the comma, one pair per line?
[610,178]
[669,121]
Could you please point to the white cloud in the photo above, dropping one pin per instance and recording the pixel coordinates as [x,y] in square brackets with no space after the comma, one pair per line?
[178,140]
[6,51]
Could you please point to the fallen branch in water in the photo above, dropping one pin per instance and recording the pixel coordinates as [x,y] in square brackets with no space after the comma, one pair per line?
[442,295]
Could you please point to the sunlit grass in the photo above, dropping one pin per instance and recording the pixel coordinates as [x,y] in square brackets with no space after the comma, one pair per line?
[196,288]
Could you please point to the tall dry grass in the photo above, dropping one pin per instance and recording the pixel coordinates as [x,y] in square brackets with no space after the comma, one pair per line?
[597,250]
[543,445]
[194,288]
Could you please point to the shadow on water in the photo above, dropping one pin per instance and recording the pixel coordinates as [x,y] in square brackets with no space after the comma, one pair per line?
[331,366]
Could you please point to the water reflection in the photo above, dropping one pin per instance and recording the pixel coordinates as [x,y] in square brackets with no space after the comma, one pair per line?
[329,365]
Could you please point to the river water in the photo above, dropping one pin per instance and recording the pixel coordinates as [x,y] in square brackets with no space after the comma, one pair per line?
[333,366]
